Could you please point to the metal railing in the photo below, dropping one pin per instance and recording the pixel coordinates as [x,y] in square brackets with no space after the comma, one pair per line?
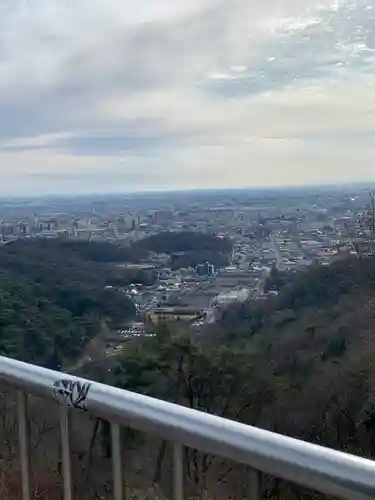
[315,467]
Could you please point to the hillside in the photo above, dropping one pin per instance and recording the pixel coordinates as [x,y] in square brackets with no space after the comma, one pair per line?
[53,302]
[306,354]
[184,248]
[315,344]
[187,248]
[55,292]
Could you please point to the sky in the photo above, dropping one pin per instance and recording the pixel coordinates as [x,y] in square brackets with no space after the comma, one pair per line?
[119,96]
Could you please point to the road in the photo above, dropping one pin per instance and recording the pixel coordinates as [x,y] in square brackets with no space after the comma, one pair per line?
[276,249]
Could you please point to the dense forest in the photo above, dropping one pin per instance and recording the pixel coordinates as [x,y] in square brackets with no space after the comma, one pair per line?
[307,353]
[53,300]
[55,293]
[187,248]
[184,241]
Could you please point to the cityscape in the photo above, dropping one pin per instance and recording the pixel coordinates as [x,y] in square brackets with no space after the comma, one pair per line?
[286,230]
[187,250]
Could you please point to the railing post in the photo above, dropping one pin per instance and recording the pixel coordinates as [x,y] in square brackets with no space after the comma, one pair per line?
[254,484]
[118,485]
[178,472]
[24,443]
[66,452]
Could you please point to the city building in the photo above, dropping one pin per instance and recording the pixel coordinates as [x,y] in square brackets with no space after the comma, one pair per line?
[205,269]
[225,299]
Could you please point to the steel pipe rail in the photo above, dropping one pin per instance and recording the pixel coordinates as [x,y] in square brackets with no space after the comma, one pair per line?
[318,468]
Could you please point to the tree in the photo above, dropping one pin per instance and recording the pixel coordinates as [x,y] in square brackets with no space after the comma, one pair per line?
[52,303]
[178,369]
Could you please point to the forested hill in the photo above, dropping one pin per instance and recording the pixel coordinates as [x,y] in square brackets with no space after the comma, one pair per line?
[320,290]
[183,241]
[308,354]
[301,363]
[313,348]
[187,248]
[54,296]
[53,301]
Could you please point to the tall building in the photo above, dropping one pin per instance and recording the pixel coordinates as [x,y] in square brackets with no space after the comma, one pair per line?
[162,217]
[121,224]
[205,269]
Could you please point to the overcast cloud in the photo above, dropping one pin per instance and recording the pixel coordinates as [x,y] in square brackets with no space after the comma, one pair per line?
[117,95]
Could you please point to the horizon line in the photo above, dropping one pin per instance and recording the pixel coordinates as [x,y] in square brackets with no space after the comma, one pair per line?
[166,191]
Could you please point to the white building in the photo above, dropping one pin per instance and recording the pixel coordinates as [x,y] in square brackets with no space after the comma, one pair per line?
[233,296]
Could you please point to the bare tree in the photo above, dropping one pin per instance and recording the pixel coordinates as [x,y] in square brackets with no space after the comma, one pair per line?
[372,220]
[365,244]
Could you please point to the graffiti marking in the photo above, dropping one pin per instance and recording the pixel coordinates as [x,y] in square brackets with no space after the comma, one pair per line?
[71,393]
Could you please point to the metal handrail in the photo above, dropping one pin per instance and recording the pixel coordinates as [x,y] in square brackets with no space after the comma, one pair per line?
[318,468]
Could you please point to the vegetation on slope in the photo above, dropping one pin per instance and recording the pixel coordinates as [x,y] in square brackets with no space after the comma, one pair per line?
[54,295]
[307,354]
[53,302]
[184,241]
[187,248]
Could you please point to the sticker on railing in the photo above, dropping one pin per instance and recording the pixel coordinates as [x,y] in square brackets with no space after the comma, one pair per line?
[71,393]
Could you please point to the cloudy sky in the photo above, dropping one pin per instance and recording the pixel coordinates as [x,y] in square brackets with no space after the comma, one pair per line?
[124,95]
